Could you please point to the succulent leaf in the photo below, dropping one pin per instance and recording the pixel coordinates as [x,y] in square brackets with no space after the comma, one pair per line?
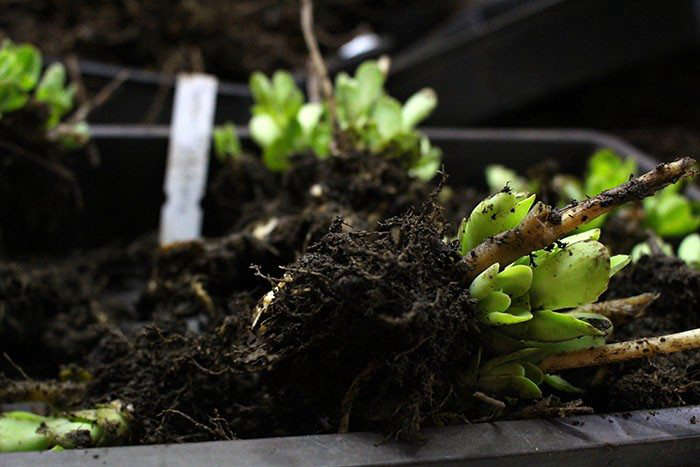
[498,213]
[570,277]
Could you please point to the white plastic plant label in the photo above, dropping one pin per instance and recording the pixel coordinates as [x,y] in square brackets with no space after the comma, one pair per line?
[188,157]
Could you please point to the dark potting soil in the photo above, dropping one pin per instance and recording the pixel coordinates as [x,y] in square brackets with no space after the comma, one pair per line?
[38,189]
[229,39]
[661,381]
[276,218]
[373,328]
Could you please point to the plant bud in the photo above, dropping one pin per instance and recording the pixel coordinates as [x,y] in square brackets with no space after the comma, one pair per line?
[496,214]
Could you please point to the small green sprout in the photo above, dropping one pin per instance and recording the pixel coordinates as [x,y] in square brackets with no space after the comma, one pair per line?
[20,85]
[499,176]
[670,214]
[369,120]
[226,143]
[643,249]
[688,250]
[605,170]
[499,212]
[54,92]
[20,67]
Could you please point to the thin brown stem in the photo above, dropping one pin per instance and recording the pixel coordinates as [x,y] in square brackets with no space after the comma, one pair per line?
[544,224]
[61,393]
[621,310]
[100,98]
[318,65]
[621,351]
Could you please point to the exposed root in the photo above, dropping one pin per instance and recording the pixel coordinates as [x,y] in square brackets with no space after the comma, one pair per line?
[544,224]
[621,351]
[58,393]
[622,310]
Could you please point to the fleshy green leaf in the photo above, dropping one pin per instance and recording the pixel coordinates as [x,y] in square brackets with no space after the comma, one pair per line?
[484,283]
[498,177]
[607,170]
[261,88]
[505,319]
[418,107]
[513,368]
[492,216]
[670,213]
[309,116]
[550,326]
[370,82]
[428,163]
[494,302]
[518,386]
[560,384]
[515,280]
[226,143]
[264,130]
[533,372]
[387,117]
[618,262]
[571,277]
[689,250]
[643,249]
[53,92]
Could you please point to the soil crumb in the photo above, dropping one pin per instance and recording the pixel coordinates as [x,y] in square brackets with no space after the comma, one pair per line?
[374,325]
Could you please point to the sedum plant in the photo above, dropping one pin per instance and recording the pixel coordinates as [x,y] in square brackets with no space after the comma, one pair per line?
[22,84]
[670,214]
[688,250]
[368,120]
[528,308]
[536,288]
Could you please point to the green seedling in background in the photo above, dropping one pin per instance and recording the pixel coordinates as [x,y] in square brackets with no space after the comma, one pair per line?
[498,176]
[604,170]
[54,92]
[668,212]
[688,250]
[368,119]
[20,67]
[20,85]
[226,143]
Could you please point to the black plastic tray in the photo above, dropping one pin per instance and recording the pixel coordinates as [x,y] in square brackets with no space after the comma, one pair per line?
[124,194]
[123,200]
[660,438]
[143,90]
[537,49]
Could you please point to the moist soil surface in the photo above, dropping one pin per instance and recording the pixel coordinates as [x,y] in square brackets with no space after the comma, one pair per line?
[368,323]
[39,192]
[229,39]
